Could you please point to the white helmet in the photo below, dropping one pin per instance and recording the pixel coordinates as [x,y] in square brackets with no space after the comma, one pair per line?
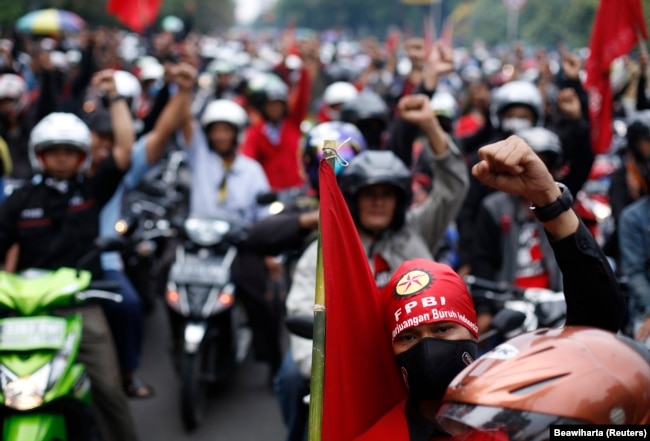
[146,59]
[220,66]
[516,93]
[12,87]
[59,61]
[172,24]
[59,128]
[444,104]
[73,56]
[151,71]
[224,111]
[339,92]
[129,87]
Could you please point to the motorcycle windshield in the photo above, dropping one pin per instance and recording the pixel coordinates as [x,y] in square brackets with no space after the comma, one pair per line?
[28,293]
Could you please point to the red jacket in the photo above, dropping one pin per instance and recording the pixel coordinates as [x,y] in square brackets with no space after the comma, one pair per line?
[393,427]
[282,162]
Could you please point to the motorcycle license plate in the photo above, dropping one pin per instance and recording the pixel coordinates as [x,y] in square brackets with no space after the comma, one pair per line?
[207,272]
[28,333]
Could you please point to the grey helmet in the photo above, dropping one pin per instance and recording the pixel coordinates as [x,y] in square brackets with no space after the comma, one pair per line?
[516,93]
[544,142]
[377,167]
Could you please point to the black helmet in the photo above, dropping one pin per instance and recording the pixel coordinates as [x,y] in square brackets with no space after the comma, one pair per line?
[544,142]
[370,113]
[638,128]
[377,167]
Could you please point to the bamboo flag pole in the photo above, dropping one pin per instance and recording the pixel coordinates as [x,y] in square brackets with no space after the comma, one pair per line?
[318,350]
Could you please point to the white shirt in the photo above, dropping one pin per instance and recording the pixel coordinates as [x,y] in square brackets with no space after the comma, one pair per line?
[244,182]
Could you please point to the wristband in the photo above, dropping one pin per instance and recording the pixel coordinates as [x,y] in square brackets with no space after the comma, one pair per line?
[116,98]
[554,209]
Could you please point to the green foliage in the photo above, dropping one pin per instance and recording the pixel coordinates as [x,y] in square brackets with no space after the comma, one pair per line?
[539,23]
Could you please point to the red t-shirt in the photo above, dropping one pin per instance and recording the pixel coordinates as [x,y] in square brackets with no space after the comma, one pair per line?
[282,161]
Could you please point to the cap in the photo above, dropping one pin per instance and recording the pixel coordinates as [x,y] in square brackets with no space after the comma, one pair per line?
[421,292]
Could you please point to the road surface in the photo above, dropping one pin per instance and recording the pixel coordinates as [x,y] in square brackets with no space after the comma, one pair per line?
[245,409]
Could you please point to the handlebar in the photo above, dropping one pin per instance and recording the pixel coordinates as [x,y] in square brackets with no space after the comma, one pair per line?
[495,289]
[91,294]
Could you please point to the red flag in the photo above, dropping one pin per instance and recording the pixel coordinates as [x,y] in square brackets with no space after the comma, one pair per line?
[134,14]
[616,30]
[361,380]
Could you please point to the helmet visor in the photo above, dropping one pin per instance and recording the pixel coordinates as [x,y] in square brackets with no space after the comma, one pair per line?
[469,422]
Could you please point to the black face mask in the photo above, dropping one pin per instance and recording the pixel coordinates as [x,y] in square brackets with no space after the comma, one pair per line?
[429,366]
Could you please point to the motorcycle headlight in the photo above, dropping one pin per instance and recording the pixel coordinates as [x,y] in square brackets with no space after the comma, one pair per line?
[276,207]
[206,232]
[25,393]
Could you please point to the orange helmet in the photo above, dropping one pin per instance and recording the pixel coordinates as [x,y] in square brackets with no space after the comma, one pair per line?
[571,375]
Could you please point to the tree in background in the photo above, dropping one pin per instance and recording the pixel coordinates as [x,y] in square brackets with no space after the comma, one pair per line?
[540,23]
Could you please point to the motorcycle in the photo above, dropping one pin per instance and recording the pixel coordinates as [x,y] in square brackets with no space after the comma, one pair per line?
[45,389]
[291,200]
[146,223]
[538,308]
[210,333]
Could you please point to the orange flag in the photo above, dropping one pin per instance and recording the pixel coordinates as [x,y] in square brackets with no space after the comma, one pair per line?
[361,380]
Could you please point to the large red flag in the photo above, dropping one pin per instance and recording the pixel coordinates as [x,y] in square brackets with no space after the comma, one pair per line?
[361,380]
[134,14]
[617,27]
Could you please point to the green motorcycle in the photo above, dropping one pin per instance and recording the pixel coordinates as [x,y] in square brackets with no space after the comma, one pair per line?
[44,388]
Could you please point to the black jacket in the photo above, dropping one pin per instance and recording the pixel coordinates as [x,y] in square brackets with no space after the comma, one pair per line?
[56,228]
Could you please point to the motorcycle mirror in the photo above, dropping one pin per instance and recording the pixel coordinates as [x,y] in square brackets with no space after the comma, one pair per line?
[110,243]
[153,188]
[507,320]
[301,325]
[503,322]
[266,198]
[101,244]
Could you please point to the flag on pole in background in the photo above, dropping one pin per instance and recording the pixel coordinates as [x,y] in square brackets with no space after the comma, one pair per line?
[361,381]
[447,33]
[617,28]
[428,31]
[136,15]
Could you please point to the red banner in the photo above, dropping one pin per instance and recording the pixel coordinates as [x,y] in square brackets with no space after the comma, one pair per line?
[136,15]
[616,30]
[361,377]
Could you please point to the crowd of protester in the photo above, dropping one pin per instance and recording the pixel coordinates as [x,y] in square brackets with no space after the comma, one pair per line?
[430,105]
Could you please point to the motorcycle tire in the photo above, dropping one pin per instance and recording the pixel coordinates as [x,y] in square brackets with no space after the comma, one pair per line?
[193,390]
